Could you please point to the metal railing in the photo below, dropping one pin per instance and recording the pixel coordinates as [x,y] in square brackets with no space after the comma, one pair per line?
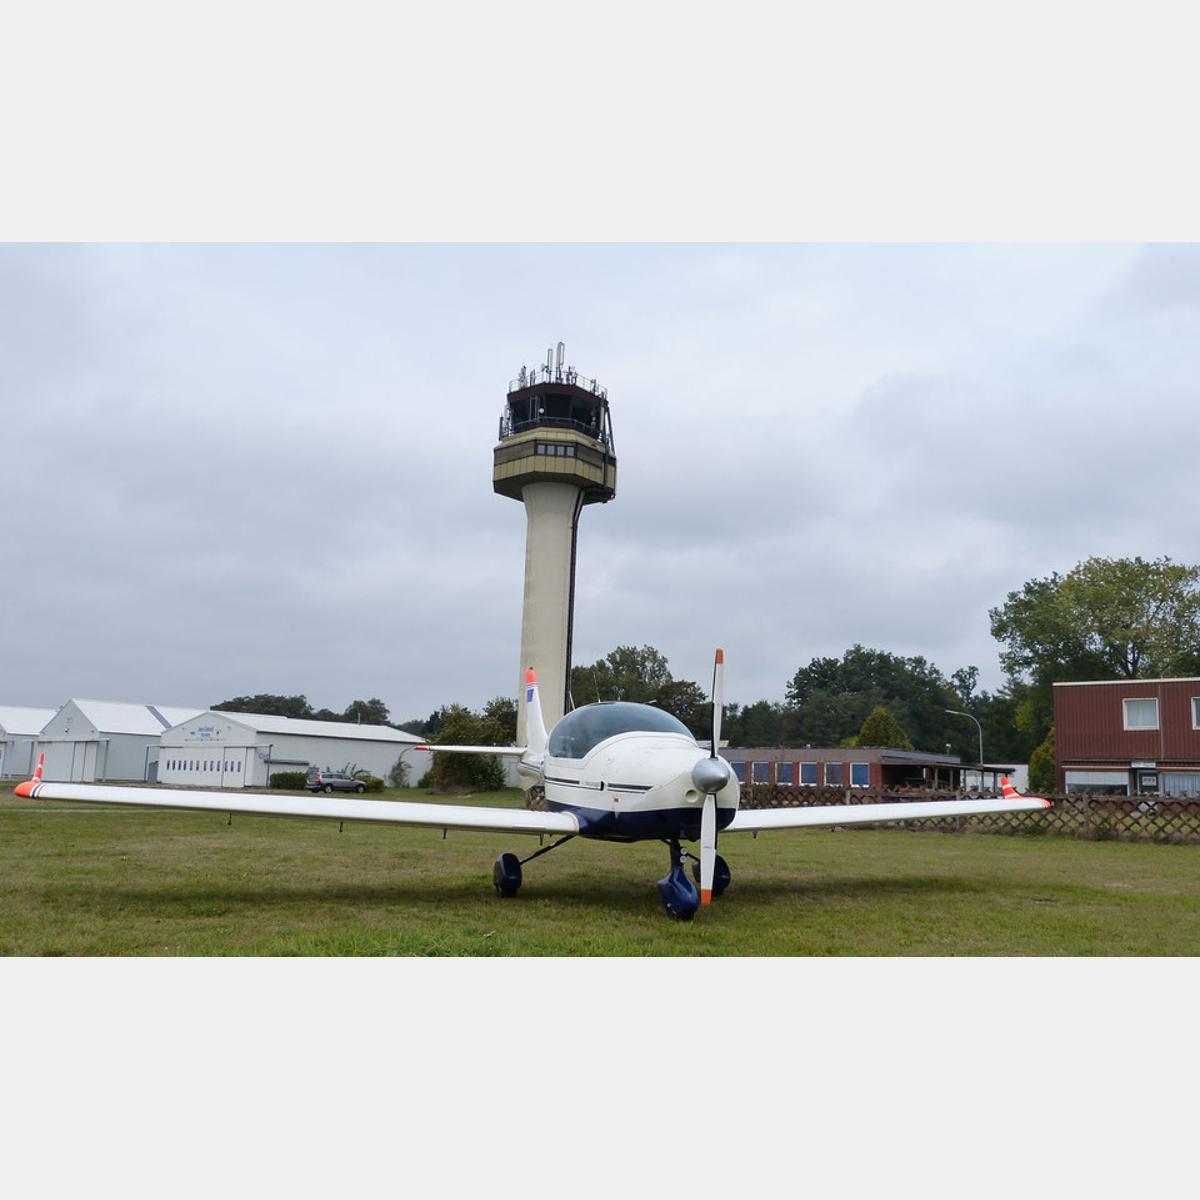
[509,427]
[561,375]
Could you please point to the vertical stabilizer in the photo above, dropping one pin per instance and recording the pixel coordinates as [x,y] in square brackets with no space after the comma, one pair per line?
[535,726]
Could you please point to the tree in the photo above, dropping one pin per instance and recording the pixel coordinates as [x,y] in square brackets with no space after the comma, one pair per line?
[964,681]
[640,674]
[633,673]
[833,698]
[367,712]
[1043,767]
[689,703]
[1106,618]
[269,705]
[882,729]
[459,726]
[503,710]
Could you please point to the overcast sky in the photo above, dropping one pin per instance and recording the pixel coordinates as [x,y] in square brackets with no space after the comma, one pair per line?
[239,469]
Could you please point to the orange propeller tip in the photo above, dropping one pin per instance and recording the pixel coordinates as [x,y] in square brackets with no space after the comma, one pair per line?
[706,895]
[720,655]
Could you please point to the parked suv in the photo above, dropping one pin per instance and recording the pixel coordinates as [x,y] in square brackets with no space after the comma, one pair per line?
[333,781]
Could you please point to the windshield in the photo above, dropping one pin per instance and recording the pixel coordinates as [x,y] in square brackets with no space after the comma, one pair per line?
[586,727]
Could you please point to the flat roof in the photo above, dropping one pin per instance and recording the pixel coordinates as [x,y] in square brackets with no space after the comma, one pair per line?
[1127,682]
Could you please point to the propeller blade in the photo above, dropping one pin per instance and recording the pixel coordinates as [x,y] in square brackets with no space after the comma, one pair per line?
[718,700]
[708,847]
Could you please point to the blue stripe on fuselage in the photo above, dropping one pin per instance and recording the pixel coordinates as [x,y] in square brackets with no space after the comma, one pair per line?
[639,825]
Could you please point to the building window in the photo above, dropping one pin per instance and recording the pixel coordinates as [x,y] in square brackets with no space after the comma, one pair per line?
[1141,714]
[835,773]
[1181,783]
[860,774]
[1099,783]
[1196,712]
[783,773]
[760,772]
[808,774]
[739,769]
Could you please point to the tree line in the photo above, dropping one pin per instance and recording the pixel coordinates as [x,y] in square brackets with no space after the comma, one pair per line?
[1105,619]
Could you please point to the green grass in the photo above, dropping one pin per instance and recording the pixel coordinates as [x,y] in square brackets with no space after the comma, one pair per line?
[130,881]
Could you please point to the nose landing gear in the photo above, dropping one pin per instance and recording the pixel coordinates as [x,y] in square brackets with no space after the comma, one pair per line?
[679,895]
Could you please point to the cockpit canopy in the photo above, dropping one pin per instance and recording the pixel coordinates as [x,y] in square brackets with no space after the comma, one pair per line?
[586,727]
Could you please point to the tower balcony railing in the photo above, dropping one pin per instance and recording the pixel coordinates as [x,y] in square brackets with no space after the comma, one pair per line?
[559,375]
[509,427]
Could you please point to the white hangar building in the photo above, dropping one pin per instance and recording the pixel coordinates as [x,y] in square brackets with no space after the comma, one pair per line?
[87,741]
[19,730]
[231,749]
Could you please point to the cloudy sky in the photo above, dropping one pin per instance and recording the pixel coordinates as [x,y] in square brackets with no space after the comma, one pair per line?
[234,469]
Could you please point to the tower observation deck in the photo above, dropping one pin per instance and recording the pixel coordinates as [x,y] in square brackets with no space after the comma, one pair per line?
[555,454]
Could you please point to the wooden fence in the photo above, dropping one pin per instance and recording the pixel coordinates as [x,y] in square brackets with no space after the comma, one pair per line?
[1128,818]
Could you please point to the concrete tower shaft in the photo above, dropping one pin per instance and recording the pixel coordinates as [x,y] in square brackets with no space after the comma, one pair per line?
[552,513]
[555,454]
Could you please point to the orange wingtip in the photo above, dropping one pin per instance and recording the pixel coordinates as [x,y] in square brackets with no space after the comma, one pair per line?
[706,895]
[720,655]
[531,676]
[25,789]
[421,747]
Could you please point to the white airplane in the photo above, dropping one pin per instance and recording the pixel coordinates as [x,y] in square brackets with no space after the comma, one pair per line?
[616,771]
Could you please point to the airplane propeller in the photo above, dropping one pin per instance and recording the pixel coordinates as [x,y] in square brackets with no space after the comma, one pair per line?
[709,776]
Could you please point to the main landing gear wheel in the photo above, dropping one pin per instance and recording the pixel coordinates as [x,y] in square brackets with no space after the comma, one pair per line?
[506,875]
[721,874]
[679,895]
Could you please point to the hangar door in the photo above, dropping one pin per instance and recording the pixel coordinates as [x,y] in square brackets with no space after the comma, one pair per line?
[233,767]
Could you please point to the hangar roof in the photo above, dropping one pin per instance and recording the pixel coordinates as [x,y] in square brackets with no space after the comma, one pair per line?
[263,723]
[110,716]
[24,721]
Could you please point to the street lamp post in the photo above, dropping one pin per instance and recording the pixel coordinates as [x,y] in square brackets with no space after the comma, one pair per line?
[954,712]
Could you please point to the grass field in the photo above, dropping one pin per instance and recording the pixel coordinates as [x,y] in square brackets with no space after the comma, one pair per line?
[158,882]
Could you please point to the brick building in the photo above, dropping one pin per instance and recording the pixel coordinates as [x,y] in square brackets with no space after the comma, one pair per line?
[1129,737]
[840,766]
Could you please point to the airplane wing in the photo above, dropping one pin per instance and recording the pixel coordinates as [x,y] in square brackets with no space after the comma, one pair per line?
[756,820]
[498,751]
[388,812]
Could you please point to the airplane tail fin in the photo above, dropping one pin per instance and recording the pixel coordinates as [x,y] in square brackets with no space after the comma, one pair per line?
[27,788]
[535,724]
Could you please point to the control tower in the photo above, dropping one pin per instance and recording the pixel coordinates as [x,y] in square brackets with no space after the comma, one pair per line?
[555,455]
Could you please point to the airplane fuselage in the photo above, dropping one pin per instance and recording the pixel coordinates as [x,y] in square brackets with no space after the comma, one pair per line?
[634,786]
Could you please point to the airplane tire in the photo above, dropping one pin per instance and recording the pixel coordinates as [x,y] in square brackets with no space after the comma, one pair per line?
[506,875]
